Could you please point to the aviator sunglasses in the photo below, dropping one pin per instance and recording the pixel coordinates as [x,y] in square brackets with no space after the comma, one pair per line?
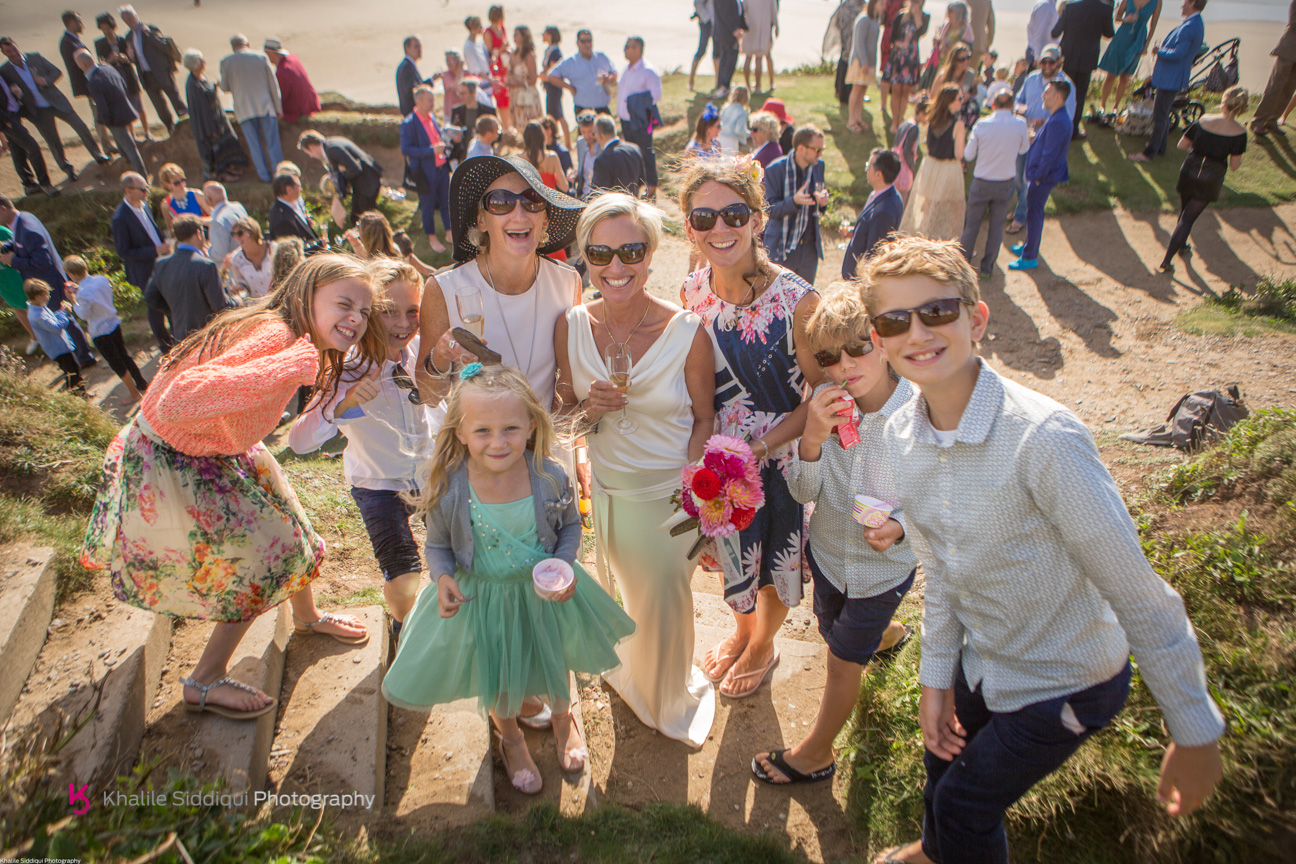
[933,314]
[831,357]
[501,202]
[629,253]
[704,218]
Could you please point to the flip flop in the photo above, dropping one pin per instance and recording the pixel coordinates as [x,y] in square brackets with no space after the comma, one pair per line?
[1014,228]
[794,776]
[221,710]
[732,658]
[307,628]
[894,649]
[763,673]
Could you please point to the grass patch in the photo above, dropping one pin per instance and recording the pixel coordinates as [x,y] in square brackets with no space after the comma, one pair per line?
[1238,582]
[1269,307]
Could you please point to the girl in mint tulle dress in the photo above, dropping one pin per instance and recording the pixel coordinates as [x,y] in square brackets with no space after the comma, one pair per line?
[497,505]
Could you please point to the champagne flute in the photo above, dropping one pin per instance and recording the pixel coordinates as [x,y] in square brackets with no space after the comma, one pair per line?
[471,313]
[619,363]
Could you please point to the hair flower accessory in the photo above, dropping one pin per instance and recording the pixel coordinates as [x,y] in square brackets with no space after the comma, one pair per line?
[470,371]
[710,112]
[748,166]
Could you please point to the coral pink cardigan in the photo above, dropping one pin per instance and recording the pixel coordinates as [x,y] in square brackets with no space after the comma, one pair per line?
[223,405]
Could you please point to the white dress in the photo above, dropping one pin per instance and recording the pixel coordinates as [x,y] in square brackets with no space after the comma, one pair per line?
[634,478]
[519,326]
[761,15]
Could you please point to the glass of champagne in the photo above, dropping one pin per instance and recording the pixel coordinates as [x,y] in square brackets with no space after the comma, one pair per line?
[469,305]
[619,363]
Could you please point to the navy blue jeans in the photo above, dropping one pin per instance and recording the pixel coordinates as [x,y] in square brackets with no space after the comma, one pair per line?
[1006,754]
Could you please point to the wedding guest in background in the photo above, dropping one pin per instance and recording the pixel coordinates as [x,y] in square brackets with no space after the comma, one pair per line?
[296,93]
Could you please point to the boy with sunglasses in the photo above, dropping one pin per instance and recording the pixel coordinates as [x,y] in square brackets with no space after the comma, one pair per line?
[1037,587]
[860,573]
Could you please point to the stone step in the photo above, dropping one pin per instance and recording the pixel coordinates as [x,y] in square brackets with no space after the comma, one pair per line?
[439,764]
[332,732]
[572,794]
[108,662]
[710,610]
[26,606]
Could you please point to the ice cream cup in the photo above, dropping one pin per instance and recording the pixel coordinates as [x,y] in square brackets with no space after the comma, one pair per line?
[552,577]
[870,512]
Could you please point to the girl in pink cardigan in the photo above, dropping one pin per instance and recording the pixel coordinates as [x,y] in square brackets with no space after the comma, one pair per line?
[194,517]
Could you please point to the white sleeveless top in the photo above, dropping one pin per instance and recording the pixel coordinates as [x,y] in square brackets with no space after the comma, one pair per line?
[659,398]
[519,326]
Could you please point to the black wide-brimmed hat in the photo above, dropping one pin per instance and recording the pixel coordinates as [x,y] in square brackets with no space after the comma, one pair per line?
[474,176]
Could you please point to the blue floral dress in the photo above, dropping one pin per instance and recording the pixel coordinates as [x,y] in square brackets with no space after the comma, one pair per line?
[758,383]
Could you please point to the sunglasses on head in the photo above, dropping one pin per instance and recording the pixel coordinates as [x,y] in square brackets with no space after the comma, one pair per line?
[704,218]
[404,382]
[501,202]
[831,357]
[629,253]
[933,314]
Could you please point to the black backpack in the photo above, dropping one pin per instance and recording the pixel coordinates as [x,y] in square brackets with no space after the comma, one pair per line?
[1196,420]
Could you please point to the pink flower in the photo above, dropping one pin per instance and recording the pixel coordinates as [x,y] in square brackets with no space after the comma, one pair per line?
[729,444]
[689,503]
[714,518]
[726,465]
[742,494]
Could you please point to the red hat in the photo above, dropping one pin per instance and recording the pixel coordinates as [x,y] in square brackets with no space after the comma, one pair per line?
[775,107]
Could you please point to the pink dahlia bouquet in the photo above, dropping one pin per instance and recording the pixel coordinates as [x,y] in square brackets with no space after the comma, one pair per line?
[721,493]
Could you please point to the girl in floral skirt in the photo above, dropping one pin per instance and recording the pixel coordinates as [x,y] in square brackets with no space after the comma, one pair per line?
[194,517]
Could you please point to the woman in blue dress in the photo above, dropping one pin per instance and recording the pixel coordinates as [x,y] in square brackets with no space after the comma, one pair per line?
[180,199]
[1121,59]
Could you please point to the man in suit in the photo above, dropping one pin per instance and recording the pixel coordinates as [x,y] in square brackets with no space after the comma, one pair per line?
[353,170]
[30,77]
[1080,30]
[1173,70]
[726,30]
[1282,80]
[288,213]
[69,44]
[186,284]
[113,109]
[1046,166]
[882,212]
[428,163]
[28,161]
[155,56]
[587,150]
[139,244]
[112,49]
[795,194]
[257,103]
[464,116]
[34,257]
[982,19]
[994,144]
[408,76]
[619,164]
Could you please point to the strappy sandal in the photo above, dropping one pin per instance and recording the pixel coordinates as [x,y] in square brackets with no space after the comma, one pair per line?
[476,347]
[308,628]
[524,780]
[715,651]
[222,710]
[579,753]
[762,673]
[794,777]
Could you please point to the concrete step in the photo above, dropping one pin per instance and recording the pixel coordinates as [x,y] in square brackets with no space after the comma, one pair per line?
[439,765]
[26,606]
[573,794]
[332,732]
[710,610]
[106,664]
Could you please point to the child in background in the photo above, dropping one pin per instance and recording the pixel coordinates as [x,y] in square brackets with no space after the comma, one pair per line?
[704,144]
[49,326]
[388,431]
[860,573]
[1037,587]
[733,122]
[487,132]
[496,505]
[92,299]
[906,145]
[194,517]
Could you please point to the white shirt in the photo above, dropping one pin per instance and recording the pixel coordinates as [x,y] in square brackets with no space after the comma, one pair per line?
[24,71]
[94,305]
[137,36]
[299,205]
[146,219]
[1039,29]
[223,218]
[246,275]
[475,57]
[995,143]
[637,78]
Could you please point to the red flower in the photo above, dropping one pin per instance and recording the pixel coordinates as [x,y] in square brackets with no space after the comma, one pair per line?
[742,517]
[706,484]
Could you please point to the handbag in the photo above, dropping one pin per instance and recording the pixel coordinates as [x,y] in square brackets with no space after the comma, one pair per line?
[1136,119]
[1221,77]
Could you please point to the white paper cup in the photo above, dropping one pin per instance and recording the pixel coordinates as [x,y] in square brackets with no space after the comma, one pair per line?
[551,577]
[870,512]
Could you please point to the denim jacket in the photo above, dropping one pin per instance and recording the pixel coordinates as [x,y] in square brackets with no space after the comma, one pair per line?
[449,528]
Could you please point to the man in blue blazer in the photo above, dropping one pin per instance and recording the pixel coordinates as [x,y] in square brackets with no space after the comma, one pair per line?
[882,212]
[427,163]
[1170,75]
[1046,166]
[113,108]
[139,244]
[795,193]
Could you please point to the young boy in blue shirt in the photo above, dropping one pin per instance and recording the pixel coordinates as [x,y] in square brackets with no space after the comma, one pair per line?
[50,325]
[1037,588]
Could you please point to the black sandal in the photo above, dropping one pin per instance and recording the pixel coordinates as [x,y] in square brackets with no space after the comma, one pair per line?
[794,776]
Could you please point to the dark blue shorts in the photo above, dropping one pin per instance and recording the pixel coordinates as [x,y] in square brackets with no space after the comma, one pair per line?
[386,518]
[853,628]
[553,101]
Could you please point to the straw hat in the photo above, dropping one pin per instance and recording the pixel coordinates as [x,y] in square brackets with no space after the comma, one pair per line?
[474,176]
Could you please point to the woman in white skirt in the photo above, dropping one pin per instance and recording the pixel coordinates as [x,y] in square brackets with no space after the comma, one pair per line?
[936,202]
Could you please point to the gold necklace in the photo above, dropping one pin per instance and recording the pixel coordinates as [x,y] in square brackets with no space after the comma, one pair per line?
[499,307]
[623,346]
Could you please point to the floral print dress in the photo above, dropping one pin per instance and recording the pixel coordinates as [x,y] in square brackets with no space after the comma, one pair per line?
[758,383]
[904,63]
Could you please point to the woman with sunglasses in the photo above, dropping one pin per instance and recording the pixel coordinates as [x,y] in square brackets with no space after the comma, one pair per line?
[958,72]
[756,313]
[504,220]
[251,265]
[936,204]
[635,475]
[180,199]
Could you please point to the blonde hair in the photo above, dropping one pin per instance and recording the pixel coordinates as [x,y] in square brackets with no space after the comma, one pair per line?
[1236,101]
[288,167]
[738,176]
[251,226]
[740,95]
[767,123]
[450,453]
[169,173]
[387,271]
[34,288]
[75,266]
[288,253]
[910,255]
[611,205]
[376,235]
[839,318]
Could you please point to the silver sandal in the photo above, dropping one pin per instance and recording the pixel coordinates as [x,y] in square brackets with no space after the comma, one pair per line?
[308,628]
[222,710]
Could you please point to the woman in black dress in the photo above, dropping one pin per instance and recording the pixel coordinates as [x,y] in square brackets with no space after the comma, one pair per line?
[1215,143]
[218,147]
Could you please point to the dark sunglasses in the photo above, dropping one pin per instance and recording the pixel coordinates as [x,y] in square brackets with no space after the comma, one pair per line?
[704,218]
[501,202]
[404,382]
[629,253]
[937,313]
[832,357]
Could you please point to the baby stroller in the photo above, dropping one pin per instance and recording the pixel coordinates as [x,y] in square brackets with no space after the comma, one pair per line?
[1214,71]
